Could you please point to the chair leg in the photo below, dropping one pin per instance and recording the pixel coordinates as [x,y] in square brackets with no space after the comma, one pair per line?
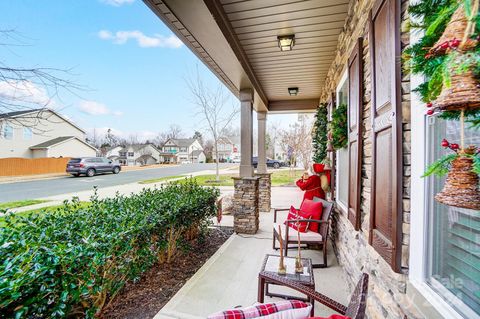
[286,248]
[274,240]
[324,264]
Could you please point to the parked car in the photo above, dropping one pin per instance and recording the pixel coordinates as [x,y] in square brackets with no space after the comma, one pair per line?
[270,162]
[90,166]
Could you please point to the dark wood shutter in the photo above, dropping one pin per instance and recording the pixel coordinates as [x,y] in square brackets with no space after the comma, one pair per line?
[355,106]
[386,184]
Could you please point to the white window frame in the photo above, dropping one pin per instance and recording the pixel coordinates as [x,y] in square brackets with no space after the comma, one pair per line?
[419,227]
[4,131]
[30,136]
[342,82]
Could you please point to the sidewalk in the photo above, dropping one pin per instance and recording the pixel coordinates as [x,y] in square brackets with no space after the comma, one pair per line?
[229,278]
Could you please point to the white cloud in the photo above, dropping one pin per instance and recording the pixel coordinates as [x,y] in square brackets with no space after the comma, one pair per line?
[144,41]
[141,135]
[96,108]
[26,93]
[117,3]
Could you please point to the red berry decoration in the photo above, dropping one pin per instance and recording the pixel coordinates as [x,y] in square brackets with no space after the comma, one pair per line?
[444,45]
[455,43]
[430,112]
[445,143]
[454,146]
[429,104]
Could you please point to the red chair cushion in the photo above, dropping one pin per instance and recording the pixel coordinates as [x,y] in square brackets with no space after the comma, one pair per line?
[313,209]
[297,214]
[331,317]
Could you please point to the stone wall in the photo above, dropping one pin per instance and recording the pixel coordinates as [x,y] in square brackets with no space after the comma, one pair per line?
[245,205]
[264,191]
[387,289]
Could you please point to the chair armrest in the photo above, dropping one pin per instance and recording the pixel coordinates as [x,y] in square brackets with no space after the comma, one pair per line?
[289,221]
[330,303]
[275,210]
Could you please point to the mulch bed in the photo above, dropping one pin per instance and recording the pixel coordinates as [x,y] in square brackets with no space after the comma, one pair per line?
[145,298]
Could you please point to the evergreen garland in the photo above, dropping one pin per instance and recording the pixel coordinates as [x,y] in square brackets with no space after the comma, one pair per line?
[434,16]
[319,133]
[339,126]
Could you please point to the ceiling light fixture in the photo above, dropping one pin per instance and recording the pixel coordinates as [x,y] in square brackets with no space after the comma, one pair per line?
[293,91]
[286,42]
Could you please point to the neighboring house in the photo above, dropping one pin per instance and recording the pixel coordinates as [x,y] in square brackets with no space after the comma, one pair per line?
[139,154]
[183,150]
[226,150]
[113,153]
[41,133]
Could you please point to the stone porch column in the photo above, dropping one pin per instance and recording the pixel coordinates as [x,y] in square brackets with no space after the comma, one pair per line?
[264,183]
[264,191]
[245,197]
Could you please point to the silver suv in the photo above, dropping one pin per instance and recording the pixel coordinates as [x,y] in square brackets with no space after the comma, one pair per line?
[90,166]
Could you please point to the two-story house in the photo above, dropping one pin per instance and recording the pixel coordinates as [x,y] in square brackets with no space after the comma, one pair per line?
[139,154]
[39,133]
[227,150]
[183,150]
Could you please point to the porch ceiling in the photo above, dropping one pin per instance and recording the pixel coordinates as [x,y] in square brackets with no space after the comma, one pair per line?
[237,39]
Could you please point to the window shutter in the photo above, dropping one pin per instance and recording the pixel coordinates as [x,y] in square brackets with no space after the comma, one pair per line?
[355,106]
[386,184]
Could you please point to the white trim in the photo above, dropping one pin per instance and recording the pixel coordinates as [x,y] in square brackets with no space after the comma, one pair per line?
[343,80]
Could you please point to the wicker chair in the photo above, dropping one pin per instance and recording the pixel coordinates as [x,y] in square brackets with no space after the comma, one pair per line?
[290,236]
[355,309]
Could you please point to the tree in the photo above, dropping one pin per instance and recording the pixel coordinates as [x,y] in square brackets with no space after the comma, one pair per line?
[25,88]
[145,155]
[175,131]
[297,141]
[199,137]
[273,132]
[211,107]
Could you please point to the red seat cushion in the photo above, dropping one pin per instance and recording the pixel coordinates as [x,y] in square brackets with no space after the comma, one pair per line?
[297,214]
[331,317]
[313,209]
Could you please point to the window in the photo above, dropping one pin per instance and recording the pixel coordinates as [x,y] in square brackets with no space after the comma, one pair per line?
[130,154]
[7,131]
[453,240]
[183,149]
[123,154]
[342,155]
[27,133]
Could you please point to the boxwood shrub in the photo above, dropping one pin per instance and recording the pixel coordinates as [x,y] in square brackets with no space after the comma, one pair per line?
[72,262]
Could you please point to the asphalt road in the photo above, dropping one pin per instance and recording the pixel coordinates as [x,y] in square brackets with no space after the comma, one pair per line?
[56,186]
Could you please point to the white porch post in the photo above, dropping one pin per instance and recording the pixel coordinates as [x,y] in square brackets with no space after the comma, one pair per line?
[262,152]
[246,132]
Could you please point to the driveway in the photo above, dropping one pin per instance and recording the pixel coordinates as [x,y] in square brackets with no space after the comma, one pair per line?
[50,187]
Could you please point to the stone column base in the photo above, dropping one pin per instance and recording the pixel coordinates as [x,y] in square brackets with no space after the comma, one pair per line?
[245,205]
[264,191]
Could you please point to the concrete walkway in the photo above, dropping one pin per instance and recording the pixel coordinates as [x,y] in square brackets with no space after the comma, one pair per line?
[229,278]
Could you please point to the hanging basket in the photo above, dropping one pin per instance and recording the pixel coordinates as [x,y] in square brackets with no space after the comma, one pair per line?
[461,186]
[463,93]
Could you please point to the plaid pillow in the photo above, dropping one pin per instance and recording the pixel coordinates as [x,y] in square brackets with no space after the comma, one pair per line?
[284,309]
[298,214]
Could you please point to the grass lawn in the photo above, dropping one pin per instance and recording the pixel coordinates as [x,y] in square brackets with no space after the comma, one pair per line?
[38,210]
[279,178]
[22,203]
[161,179]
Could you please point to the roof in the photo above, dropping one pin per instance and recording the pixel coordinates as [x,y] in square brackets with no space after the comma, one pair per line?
[196,152]
[23,112]
[182,142]
[58,140]
[137,147]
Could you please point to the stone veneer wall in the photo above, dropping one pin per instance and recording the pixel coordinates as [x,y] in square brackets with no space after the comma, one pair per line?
[264,191]
[245,205]
[387,289]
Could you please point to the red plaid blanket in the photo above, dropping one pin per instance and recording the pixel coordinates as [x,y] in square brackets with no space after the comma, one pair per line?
[259,310]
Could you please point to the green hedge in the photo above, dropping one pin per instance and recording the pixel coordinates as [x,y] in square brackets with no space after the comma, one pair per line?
[73,261]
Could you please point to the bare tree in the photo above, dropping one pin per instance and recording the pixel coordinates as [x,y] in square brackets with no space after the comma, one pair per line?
[174,131]
[212,106]
[273,131]
[26,88]
[145,155]
[297,140]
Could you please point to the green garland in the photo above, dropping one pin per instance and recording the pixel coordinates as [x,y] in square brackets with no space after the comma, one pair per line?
[339,126]
[442,166]
[434,16]
[319,134]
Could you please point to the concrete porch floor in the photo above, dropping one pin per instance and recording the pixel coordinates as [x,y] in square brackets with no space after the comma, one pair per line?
[229,278]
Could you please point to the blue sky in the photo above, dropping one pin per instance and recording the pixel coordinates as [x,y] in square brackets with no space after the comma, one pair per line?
[132,64]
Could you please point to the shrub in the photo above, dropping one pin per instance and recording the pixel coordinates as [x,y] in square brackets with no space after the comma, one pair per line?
[72,262]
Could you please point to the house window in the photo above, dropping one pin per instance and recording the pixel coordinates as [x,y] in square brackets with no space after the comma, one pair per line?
[183,149]
[453,241]
[27,133]
[7,131]
[130,154]
[342,154]
[123,154]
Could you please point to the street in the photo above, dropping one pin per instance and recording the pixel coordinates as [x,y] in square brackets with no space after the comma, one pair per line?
[50,187]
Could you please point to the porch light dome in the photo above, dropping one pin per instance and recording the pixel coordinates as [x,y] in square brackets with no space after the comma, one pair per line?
[293,91]
[286,42]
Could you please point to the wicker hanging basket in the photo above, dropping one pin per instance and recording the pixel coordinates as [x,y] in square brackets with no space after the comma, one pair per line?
[461,186]
[463,93]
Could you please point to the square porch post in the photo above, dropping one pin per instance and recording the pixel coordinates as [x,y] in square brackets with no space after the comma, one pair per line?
[264,183]
[245,197]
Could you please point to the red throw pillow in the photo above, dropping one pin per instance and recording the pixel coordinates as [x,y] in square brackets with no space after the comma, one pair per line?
[313,209]
[331,317]
[296,214]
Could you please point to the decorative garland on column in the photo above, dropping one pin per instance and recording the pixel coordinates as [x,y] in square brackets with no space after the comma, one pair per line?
[339,127]
[319,134]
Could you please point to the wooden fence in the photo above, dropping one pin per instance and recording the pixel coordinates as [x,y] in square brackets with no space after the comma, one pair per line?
[15,166]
